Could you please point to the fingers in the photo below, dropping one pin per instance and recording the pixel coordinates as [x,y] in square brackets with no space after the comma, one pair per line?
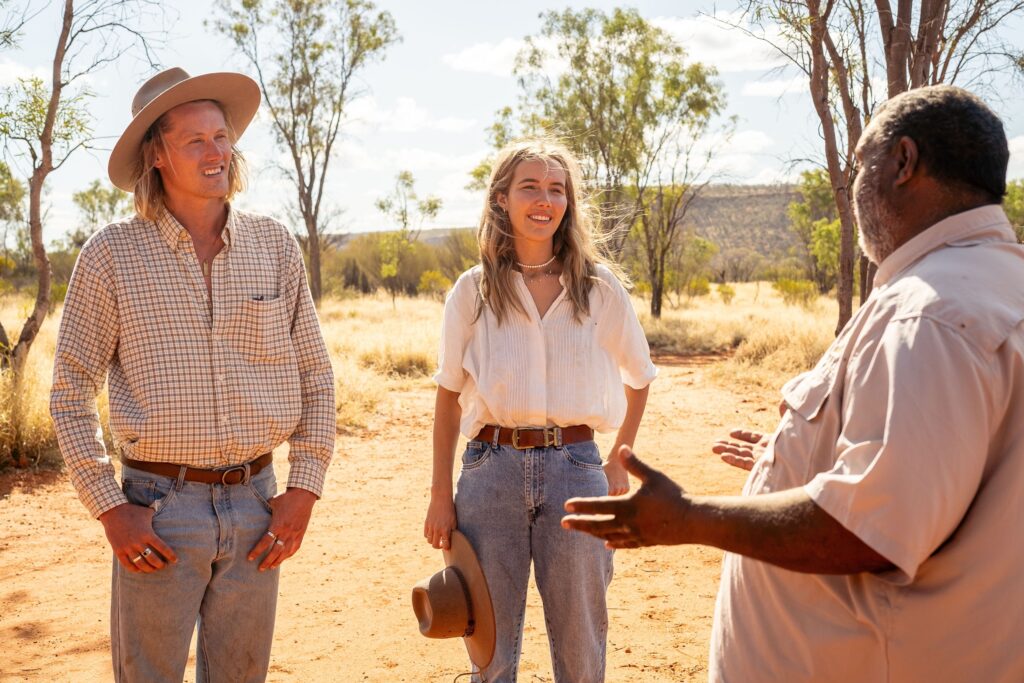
[605,505]
[166,552]
[263,545]
[747,435]
[742,462]
[602,526]
[635,466]
[438,536]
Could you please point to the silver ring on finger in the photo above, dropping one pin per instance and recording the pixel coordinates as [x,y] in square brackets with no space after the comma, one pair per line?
[136,559]
[146,552]
[278,541]
[272,534]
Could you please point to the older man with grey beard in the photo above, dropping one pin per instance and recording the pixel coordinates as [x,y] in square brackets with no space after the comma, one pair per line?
[875,538]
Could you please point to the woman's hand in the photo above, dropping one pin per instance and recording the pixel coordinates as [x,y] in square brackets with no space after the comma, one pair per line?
[440,521]
[615,471]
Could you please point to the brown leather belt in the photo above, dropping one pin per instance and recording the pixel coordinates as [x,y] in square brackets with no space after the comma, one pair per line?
[231,475]
[535,437]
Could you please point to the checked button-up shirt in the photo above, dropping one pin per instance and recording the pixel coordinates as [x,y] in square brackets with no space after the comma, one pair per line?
[194,380]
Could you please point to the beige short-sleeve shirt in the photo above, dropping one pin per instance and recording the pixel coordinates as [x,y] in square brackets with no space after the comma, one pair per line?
[909,432]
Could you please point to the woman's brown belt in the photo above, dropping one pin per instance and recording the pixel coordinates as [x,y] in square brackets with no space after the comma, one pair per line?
[535,437]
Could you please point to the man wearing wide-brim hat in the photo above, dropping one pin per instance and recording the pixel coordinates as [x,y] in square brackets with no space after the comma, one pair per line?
[200,317]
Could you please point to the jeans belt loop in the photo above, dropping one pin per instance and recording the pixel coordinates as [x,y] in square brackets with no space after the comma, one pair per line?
[181,478]
[494,440]
[557,441]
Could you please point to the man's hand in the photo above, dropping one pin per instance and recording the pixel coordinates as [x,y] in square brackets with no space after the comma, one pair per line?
[742,449]
[652,515]
[290,517]
[437,528]
[615,472]
[129,530]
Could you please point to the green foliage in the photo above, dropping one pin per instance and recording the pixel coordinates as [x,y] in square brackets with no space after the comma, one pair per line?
[434,284]
[1013,204]
[98,205]
[624,78]
[395,247]
[698,286]
[825,238]
[458,253]
[726,292]
[796,292]
[23,109]
[813,220]
[306,56]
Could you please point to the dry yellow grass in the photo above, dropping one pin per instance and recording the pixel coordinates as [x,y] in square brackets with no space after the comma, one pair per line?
[377,348]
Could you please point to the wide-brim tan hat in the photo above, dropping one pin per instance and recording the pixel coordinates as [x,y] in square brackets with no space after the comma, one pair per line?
[238,94]
[456,602]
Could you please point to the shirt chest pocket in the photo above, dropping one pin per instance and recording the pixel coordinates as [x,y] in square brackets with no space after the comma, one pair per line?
[806,439]
[264,329]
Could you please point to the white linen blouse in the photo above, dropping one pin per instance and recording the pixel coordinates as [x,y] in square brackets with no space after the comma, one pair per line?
[535,371]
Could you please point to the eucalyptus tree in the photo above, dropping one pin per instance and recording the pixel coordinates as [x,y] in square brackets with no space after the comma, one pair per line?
[306,56]
[44,121]
[623,95]
[839,44]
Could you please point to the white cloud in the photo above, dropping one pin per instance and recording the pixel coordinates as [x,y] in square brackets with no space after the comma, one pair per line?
[407,116]
[10,72]
[776,87]
[493,59]
[1016,169]
[708,39]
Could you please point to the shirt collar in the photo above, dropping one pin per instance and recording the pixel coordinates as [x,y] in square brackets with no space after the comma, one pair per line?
[983,224]
[173,232]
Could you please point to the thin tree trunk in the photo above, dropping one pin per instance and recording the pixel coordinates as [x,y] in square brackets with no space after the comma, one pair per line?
[313,245]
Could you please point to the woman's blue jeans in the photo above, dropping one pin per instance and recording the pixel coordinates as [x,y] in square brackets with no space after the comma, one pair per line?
[509,504]
[211,528]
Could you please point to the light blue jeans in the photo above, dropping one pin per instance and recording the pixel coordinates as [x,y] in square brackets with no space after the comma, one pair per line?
[211,528]
[509,505]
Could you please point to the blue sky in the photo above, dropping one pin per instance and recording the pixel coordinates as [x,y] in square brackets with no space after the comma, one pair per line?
[427,104]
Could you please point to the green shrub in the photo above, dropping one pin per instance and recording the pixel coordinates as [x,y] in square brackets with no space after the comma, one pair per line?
[698,286]
[796,292]
[433,284]
[726,292]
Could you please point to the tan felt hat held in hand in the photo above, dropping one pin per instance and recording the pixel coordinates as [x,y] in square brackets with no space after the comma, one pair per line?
[456,602]
[238,94]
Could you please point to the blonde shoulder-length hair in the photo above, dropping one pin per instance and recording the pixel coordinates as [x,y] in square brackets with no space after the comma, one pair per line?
[149,187]
[575,244]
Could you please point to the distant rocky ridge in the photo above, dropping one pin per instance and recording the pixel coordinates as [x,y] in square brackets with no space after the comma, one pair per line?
[732,216]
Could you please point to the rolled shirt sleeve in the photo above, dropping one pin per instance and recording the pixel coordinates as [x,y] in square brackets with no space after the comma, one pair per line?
[916,424]
[312,442]
[623,336]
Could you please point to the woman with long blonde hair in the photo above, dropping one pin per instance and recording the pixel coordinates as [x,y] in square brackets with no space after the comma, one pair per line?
[540,347]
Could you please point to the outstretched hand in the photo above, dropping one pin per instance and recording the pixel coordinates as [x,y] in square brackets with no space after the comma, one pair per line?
[652,515]
[742,449]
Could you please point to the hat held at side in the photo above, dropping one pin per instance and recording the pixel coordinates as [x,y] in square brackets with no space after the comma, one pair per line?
[455,602]
[238,95]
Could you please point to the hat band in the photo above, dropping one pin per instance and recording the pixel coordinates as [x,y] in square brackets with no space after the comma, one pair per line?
[470,621]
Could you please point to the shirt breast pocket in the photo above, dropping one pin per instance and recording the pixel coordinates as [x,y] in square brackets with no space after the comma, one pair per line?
[265,329]
[806,439]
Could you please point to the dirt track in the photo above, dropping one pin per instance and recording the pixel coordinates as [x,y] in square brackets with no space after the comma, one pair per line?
[344,612]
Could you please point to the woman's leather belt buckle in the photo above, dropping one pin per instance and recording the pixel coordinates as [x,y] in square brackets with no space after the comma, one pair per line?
[551,436]
[237,474]
[523,438]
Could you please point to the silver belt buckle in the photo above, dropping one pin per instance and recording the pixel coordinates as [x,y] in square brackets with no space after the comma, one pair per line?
[242,469]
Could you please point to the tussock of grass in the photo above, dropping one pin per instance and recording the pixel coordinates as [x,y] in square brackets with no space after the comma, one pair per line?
[26,430]
[400,362]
